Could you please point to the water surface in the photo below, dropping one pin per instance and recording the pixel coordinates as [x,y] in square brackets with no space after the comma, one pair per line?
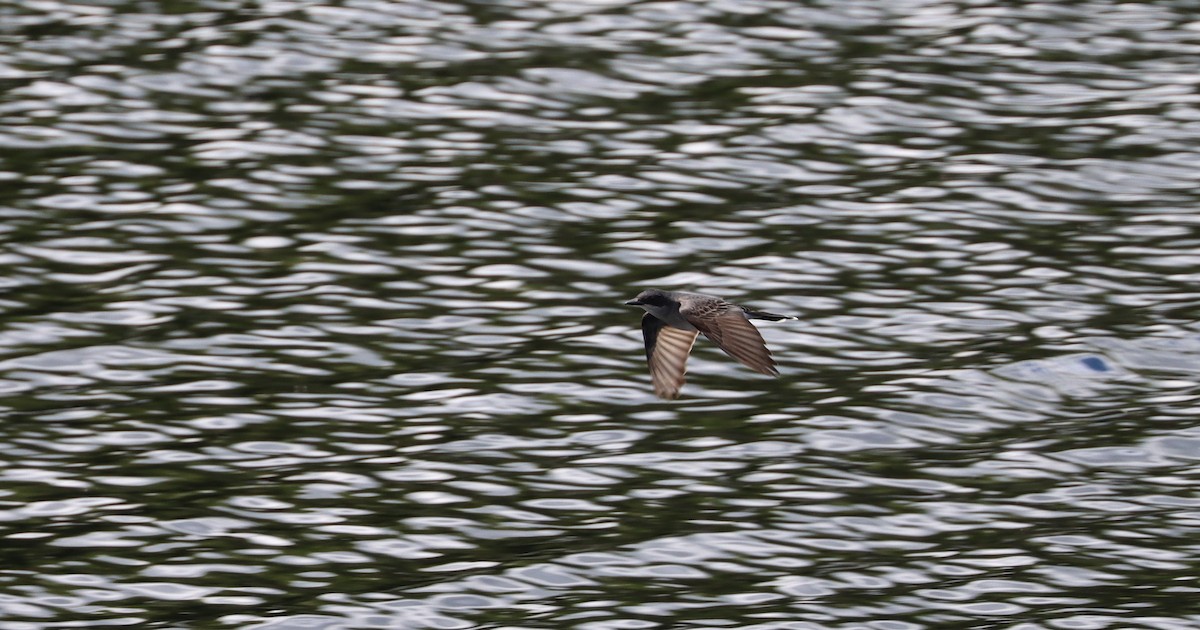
[312,314]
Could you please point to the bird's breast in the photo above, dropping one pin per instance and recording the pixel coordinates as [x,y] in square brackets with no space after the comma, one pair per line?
[675,320]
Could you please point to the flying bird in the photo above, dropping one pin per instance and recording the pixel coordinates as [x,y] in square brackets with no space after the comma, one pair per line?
[672,321]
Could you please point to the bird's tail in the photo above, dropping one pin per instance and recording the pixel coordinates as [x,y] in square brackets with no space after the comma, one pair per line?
[773,317]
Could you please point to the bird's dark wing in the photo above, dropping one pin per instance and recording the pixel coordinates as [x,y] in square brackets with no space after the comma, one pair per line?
[667,352]
[728,327]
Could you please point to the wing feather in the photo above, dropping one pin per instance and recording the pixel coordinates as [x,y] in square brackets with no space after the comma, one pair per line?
[726,325]
[667,351]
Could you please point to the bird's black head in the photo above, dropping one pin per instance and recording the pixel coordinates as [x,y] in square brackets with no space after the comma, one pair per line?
[650,297]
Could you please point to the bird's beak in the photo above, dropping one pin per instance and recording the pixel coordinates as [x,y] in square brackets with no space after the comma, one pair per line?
[633,302]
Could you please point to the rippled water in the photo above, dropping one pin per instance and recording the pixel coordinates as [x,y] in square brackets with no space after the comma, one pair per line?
[312,314]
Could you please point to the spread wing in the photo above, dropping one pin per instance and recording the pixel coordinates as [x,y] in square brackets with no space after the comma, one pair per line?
[728,327]
[667,352]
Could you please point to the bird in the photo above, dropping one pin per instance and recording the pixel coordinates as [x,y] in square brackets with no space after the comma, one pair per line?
[674,319]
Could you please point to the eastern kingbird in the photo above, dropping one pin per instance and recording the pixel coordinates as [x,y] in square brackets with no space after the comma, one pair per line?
[674,318]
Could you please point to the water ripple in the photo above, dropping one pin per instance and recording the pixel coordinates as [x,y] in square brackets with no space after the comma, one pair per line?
[326,300]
